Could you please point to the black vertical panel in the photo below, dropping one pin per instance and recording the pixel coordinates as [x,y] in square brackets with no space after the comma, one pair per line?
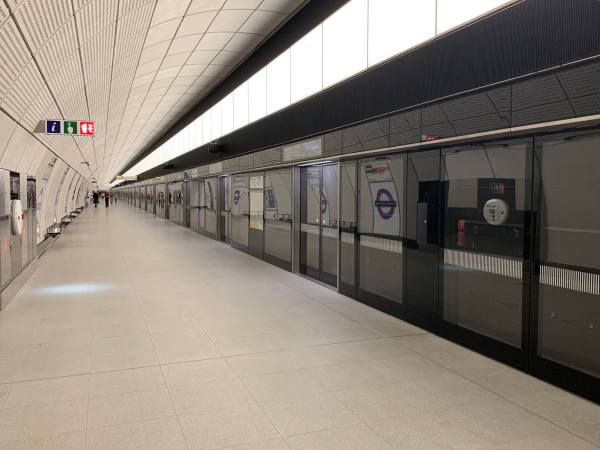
[305,118]
[585,42]
[545,24]
[276,128]
[344,103]
[228,145]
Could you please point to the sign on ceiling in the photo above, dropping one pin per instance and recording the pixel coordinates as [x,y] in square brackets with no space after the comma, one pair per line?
[70,127]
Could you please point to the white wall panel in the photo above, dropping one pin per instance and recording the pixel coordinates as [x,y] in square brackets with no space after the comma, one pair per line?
[257,96]
[227,114]
[345,42]
[307,65]
[278,83]
[452,13]
[215,117]
[396,26]
[240,106]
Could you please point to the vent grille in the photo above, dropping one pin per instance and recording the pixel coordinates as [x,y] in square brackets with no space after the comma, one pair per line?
[573,280]
[387,245]
[506,267]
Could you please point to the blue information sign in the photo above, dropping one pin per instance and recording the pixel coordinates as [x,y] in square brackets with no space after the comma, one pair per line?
[53,127]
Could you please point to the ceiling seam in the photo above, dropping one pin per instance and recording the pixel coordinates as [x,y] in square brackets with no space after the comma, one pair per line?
[133,79]
[109,167]
[110,86]
[37,65]
[87,102]
[163,58]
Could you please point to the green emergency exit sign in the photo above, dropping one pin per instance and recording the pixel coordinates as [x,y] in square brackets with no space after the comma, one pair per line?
[70,127]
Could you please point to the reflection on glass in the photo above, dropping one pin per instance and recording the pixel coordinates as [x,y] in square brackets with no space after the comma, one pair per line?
[329,224]
[348,227]
[278,217]
[194,205]
[225,208]
[240,211]
[485,203]
[381,226]
[422,232]
[310,220]
[569,284]
[210,206]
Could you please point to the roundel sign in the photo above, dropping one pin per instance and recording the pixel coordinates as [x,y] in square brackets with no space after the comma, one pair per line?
[236,197]
[385,204]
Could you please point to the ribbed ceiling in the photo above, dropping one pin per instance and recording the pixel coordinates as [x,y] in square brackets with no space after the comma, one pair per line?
[132,66]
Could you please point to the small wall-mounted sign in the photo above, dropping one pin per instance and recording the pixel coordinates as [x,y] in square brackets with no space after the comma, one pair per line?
[68,127]
[126,177]
[53,127]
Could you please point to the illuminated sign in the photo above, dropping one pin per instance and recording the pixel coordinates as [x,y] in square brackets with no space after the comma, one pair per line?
[86,128]
[69,127]
[53,127]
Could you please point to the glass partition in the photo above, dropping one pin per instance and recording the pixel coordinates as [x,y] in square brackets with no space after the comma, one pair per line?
[348,228]
[240,211]
[319,222]
[485,201]
[569,257]
[210,207]
[278,217]
[381,228]
[194,203]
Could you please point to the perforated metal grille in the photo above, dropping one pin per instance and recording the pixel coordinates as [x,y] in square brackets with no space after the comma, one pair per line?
[507,267]
[573,280]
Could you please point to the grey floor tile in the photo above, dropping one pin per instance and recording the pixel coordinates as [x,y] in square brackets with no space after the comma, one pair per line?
[227,427]
[157,330]
[308,413]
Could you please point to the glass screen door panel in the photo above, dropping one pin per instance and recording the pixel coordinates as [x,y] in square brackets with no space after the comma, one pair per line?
[319,222]
[422,237]
[329,224]
[278,217]
[348,228]
[240,211]
[194,202]
[485,202]
[310,221]
[210,207]
[569,254]
[225,208]
[381,228]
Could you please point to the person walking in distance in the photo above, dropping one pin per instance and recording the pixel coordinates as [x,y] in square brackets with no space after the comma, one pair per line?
[96,198]
[106,199]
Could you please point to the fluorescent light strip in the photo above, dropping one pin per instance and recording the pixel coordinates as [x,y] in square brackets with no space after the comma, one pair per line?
[359,35]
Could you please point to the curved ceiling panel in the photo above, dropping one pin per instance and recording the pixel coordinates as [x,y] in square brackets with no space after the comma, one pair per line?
[132,66]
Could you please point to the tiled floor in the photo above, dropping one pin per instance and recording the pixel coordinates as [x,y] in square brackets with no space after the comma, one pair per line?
[135,333]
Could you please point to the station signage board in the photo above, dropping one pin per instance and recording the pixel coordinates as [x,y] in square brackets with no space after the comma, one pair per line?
[70,127]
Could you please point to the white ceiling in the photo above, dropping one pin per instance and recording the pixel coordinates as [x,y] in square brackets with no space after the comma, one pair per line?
[132,66]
